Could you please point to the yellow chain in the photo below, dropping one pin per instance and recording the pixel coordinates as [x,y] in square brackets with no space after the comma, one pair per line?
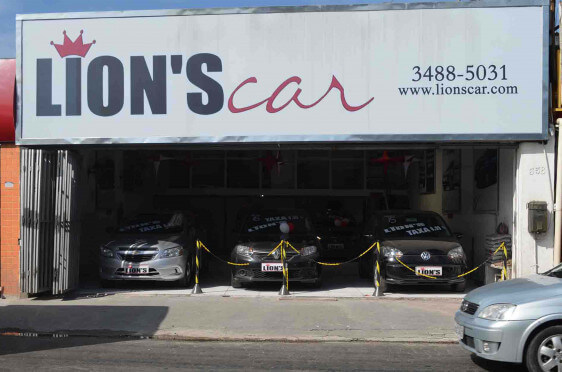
[504,271]
[220,259]
[337,263]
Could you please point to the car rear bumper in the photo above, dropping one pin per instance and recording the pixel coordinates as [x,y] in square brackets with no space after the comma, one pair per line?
[502,337]
[167,269]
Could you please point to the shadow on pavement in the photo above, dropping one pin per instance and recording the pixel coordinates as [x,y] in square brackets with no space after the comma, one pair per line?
[43,323]
[490,365]
[27,342]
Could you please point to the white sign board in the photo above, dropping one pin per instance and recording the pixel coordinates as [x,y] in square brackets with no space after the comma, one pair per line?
[459,72]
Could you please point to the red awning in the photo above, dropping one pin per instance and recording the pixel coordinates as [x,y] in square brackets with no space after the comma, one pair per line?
[7,87]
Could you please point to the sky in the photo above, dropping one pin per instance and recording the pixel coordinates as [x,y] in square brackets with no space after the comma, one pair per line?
[9,9]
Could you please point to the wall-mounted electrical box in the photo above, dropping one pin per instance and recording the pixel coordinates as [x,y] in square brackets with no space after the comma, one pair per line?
[538,217]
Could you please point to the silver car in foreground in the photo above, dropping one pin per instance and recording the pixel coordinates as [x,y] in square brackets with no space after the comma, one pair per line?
[517,321]
[150,247]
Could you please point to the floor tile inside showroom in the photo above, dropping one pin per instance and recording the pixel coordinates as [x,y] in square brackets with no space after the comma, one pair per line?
[338,282]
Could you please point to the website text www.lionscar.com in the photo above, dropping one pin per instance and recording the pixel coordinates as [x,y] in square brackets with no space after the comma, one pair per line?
[442,90]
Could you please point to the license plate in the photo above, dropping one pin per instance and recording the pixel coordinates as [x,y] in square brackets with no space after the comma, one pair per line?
[136,270]
[429,270]
[335,246]
[459,330]
[271,267]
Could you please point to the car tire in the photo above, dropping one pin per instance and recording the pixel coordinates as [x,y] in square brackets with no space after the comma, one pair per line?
[235,283]
[317,284]
[191,269]
[459,287]
[107,283]
[545,338]
[185,281]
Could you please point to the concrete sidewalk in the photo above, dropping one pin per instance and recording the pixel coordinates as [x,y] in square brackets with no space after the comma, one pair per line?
[236,318]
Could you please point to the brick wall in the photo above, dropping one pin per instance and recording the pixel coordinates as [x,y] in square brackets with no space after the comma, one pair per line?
[9,218]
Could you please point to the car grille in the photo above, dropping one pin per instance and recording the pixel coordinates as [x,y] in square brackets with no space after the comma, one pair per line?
[264,255]
[305,273]
[469,307]
[137,257]
[468,341]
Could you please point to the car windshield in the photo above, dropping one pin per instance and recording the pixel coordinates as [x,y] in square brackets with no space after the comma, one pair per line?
[153,224]
[270,223]
[556,272]
[414,226]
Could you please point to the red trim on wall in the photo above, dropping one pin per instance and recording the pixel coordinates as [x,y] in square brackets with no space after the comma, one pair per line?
[7,87]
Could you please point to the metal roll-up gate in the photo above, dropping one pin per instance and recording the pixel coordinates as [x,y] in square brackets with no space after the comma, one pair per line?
[49,221]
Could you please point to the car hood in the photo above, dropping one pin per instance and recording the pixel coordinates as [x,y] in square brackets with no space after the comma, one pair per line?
[264,245]
[517,291]
[416,246]
[144,242]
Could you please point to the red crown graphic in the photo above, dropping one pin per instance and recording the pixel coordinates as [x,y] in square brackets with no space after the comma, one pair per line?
[73,48]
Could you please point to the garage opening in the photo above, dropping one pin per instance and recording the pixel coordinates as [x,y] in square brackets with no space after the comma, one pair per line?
[471,187]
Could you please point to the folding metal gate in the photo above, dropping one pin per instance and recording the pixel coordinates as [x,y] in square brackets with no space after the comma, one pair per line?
[49,221]
[67,235]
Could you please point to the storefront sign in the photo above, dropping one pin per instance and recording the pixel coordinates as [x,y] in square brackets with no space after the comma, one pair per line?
[398,72]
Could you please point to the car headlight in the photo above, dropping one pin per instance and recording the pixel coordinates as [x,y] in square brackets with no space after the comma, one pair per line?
[391,253]
[497,312]
[244,250]
[307,251]
[172,252]
[105,252]
[456,254]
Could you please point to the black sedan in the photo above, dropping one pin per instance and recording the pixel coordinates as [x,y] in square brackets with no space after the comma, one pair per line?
[261,233]
[418,239]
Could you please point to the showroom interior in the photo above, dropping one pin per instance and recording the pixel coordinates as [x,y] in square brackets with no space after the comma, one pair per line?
[472,187]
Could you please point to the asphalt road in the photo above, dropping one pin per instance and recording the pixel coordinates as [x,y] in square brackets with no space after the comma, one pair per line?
[93,353]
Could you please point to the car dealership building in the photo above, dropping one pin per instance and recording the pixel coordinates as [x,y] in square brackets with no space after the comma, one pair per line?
[433,106]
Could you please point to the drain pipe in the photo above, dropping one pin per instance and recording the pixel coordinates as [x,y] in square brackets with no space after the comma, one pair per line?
[558,200]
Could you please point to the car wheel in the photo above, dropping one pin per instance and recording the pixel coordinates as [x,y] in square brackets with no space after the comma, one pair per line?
[545,350]
[107,283]
[190,271]
[188,274]
[234,283]
[317,284]
[459,287]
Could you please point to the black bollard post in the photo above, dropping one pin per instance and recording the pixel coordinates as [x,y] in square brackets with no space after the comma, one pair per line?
[284,291]
[197,287]
[377,272]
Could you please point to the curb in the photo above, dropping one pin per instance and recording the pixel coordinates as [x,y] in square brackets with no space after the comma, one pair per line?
[202,336]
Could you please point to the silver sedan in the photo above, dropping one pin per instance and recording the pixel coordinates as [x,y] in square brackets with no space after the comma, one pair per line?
[150,247]
[517,321]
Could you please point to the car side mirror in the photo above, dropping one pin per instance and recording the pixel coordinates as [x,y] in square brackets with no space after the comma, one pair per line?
[459,235]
